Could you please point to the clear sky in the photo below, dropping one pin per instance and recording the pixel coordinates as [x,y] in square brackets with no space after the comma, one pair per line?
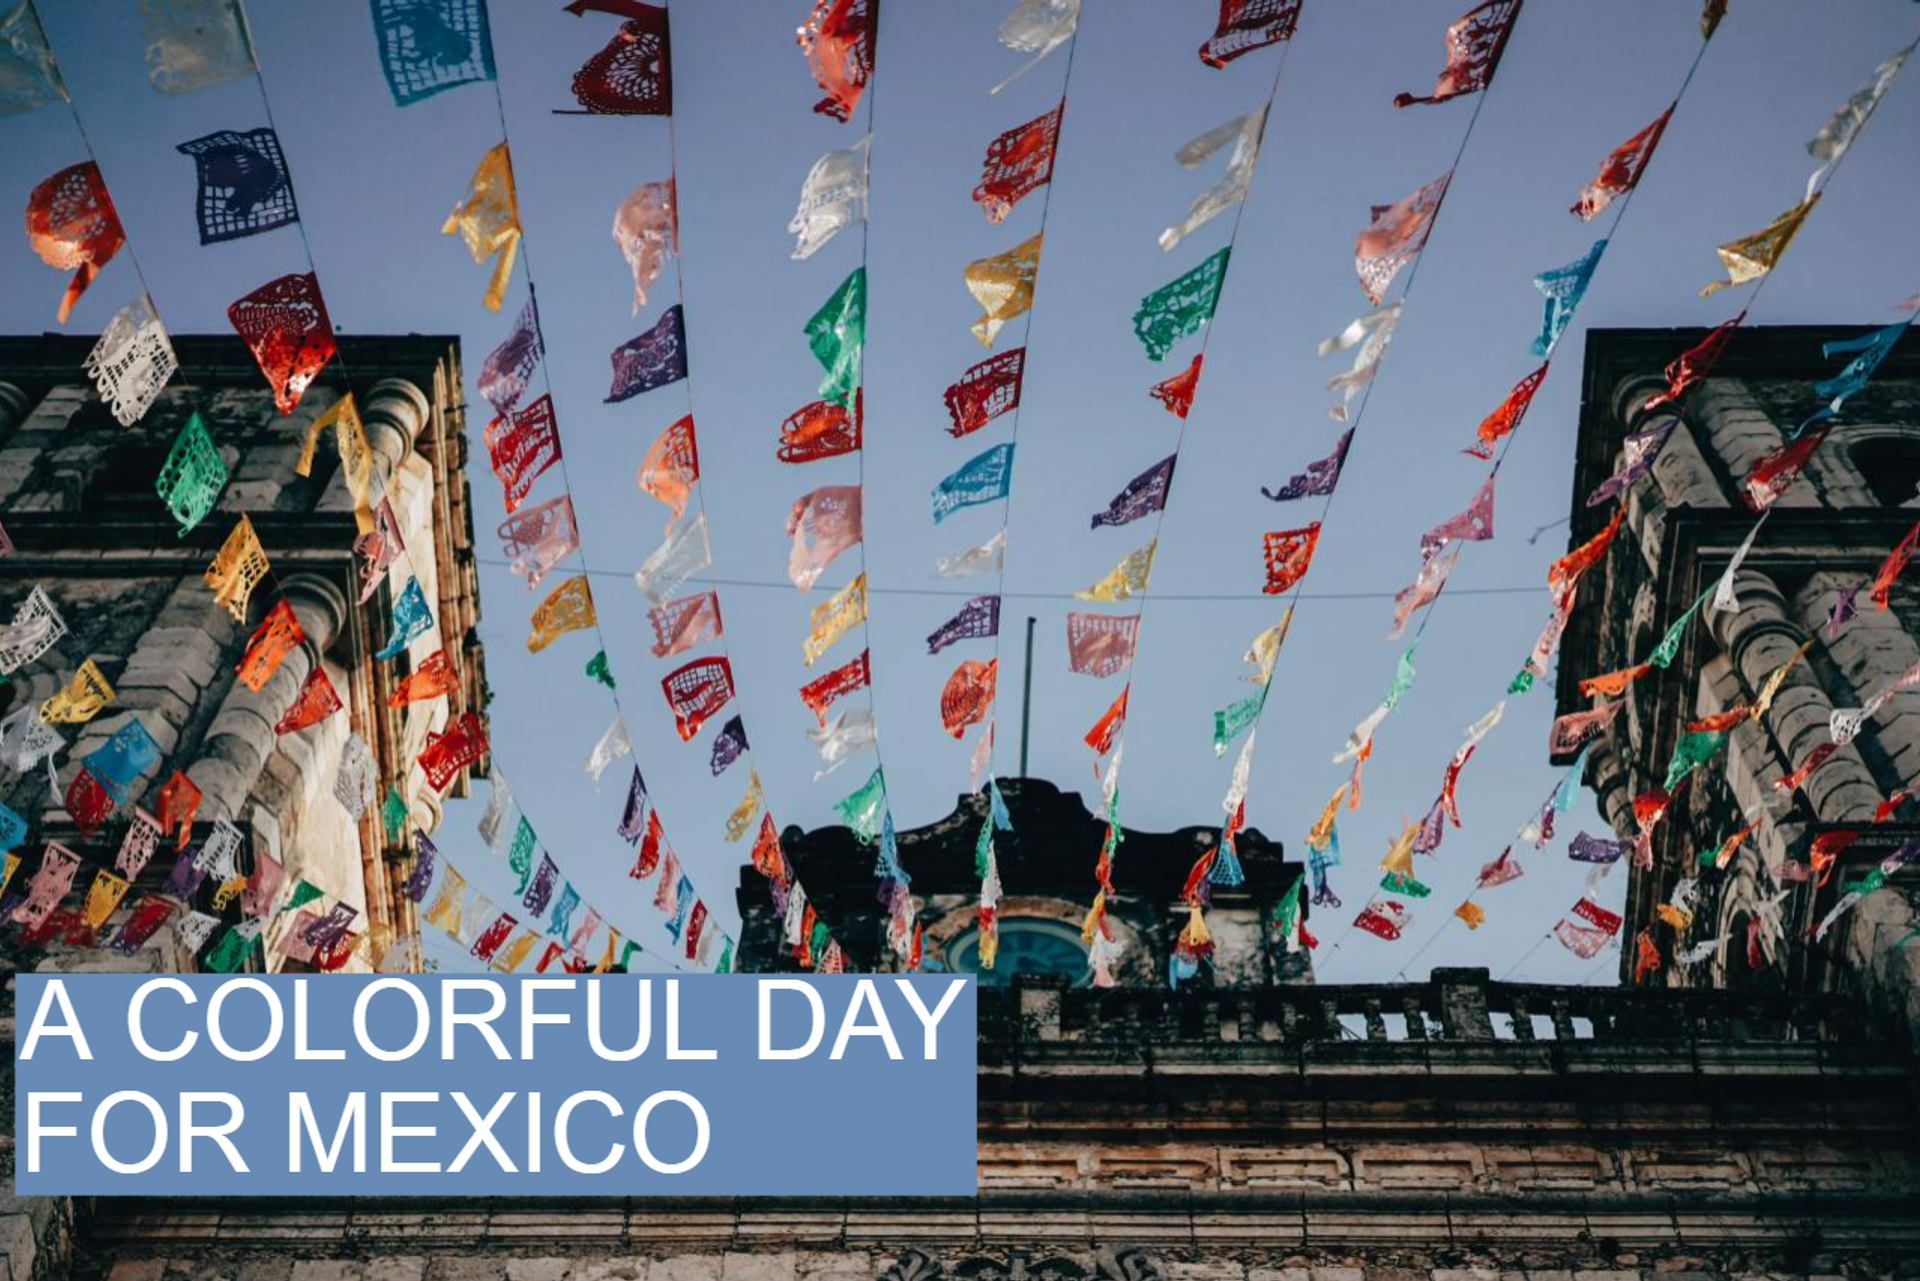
[375,182]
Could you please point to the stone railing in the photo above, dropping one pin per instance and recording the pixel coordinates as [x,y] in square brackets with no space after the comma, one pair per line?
[1456,1005]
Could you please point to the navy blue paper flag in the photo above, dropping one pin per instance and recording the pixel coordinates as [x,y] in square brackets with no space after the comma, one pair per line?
[244,185]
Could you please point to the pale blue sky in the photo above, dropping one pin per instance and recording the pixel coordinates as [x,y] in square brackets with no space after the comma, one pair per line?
[375,182]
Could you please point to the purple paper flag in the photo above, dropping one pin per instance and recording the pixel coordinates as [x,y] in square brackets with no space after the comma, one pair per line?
[1144,495]
[728,745]
[979,617]
[654,359]
[1319,479]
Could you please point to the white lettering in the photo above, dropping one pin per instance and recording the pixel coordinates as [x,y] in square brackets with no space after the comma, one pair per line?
[139,1036]
[300,1050]
[560,1132]
[56,994]
[529,1016]
[389,1132]
[423,1020]
[107,1158]
[36,1129]
[276,1019]
[189,1131]
[673,1028]
[646,1022]
[767,989]
[700,1137]
[483,1023]
[931,1021]
[483,1133]
[353,1117]
[864,994]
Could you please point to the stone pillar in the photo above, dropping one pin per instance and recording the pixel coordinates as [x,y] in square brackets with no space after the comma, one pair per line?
[1759,637]
[1463,1003]
[241,736]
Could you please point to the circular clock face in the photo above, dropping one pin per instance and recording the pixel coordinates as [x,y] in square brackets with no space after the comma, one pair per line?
[1028,945]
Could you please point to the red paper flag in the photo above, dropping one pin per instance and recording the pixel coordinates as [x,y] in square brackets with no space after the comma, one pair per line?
[179,802]
[1246,25]
[820,430]
[968,695]
[696,691]
[88,802]
[650,846]
[1383,918]
[1815,759]
[1505,419]
[1588,910]
[1100,737]
[1890,567]
[985,391]
[849,676]
[493,936]
[767,858]
[1613,684]
[460,744]
[316,701]
[284,324]
[1176,393]
[435,676]
[1563,573]
[72,225]
[1474,46]
[269,645]
[1776,473]
[1620,171]
[1019,162]
[1691,367]
[1288,553]
[633,75]
[522,446]
[838,41]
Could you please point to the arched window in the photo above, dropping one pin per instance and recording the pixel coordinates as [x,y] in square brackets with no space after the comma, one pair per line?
[1891,468]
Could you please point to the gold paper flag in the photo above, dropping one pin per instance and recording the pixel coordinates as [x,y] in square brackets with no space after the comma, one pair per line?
[568,608]
[488,219]
[741,820]
[84,698]
[237,568]
[1125,578]
[1003,286]
[835,617]
[102,897]
[1752,257]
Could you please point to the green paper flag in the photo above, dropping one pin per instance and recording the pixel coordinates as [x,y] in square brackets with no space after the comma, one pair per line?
[1231,722]
[983,850]
[1692,751]
[861,811]
[234,947]
[1403,675]
[1180,308]
[1286,913]
[597,668]
[836,333]
[1521,683]
[725,964]
[520,855]
[191,479]
[1403,883]
[626,954]
[393,814]
[303,894]
[1670,643]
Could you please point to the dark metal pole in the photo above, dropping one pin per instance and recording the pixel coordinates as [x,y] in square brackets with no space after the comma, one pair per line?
[1026,697]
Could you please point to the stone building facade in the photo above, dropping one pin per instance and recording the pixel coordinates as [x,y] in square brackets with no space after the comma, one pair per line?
[1046,866]
[1825,536]
[79,506]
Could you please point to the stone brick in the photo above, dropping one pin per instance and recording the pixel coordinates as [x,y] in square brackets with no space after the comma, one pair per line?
[755,1265]
[455,1268]
[687,1267]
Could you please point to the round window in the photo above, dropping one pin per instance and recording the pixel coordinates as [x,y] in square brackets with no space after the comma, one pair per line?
[1028,945]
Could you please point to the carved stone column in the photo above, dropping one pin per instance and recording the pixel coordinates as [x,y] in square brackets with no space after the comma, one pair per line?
[241,737]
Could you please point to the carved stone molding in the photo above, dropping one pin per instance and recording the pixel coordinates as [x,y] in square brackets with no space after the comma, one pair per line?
[1121,1263]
